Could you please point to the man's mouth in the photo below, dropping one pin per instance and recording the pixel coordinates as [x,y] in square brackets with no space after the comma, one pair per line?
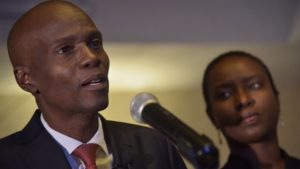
[94,81]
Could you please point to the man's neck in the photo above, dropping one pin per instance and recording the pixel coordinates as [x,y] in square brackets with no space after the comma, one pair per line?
[81,126]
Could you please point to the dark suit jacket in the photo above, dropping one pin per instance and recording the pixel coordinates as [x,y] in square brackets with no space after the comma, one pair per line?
[133,147]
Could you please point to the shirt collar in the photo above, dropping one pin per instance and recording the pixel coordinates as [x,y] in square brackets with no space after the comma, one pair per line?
[69,143]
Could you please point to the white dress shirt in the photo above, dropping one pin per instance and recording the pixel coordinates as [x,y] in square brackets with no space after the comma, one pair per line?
[70,144]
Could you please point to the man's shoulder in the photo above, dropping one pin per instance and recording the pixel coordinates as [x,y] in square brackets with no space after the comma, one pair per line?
[145,143]
[128,130]
[31,130]
[8,146]
[11,139]
[129,127]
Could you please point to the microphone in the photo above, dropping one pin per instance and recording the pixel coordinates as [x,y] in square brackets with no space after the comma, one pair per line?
[198,149]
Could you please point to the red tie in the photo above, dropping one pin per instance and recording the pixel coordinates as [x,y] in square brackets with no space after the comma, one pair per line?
[87,153]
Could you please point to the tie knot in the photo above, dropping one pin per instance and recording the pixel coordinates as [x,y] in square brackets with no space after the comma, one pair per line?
[87,153]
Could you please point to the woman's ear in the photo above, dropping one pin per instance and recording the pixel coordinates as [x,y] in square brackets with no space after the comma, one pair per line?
[213,118]
[23,78]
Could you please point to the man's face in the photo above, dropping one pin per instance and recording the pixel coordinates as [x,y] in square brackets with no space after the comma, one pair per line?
[243,103]
[69,65]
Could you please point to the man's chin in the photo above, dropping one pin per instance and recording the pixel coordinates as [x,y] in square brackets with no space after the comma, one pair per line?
[102,106]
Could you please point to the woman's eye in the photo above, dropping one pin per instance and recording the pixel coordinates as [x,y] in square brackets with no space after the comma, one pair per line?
[224,95]
[65,49]
[254,85]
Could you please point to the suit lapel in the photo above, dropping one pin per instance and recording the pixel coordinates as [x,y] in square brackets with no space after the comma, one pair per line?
[122,149]
[125,145]
[38,149]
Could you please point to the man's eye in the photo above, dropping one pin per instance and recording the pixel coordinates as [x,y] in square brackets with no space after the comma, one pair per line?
[96,43]
[65,49]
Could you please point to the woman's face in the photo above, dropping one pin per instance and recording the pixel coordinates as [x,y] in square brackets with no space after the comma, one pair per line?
[242,101]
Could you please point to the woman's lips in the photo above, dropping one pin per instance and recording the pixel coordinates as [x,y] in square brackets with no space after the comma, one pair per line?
[249,119]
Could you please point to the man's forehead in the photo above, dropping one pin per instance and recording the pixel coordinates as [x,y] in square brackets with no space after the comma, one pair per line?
[41,18]
[35,22]
[54,5]
[48,11]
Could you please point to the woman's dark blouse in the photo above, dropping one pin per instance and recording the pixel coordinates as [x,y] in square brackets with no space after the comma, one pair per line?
[237,162]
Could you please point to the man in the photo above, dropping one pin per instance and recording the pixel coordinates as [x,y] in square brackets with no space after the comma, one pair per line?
[57,56]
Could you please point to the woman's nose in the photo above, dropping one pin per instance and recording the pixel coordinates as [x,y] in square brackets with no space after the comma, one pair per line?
[243,100]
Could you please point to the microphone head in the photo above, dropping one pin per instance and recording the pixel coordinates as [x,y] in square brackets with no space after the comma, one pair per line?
[138,103]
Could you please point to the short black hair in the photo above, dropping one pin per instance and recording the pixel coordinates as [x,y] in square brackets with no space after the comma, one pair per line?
[223,56]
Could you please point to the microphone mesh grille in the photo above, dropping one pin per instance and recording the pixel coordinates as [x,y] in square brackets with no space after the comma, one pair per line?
[139,102]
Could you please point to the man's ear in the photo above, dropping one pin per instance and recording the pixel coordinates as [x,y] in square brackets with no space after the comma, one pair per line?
[23,78]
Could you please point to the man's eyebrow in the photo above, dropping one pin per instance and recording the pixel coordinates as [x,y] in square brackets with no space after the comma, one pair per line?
[69,38]
[65,38]
[95,33]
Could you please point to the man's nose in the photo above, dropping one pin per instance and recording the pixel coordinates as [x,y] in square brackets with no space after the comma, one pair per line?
[88,57]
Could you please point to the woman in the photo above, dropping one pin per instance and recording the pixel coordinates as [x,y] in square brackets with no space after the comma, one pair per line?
[242,102]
